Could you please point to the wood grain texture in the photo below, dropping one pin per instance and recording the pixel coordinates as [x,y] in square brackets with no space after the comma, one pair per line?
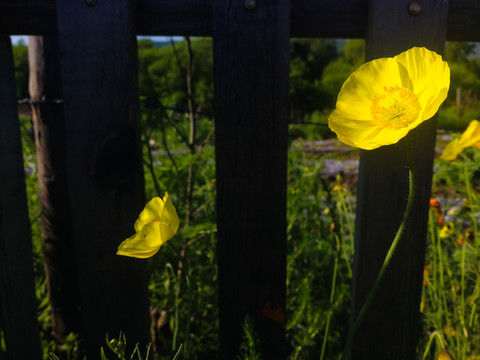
[104,165]
[45,88]
[322,18]
[251,62]
[18,304]
[390,327]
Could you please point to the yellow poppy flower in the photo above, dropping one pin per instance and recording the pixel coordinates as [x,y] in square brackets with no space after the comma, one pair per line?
[385,98]
[156,224]
[471,137]
[447,230]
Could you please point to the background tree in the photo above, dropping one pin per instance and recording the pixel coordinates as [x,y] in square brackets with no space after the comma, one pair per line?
[461,105]
[20,56]
[308,59]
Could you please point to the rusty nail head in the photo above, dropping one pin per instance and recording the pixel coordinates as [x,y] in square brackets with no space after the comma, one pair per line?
[250,4]
[91,2]
[415,8]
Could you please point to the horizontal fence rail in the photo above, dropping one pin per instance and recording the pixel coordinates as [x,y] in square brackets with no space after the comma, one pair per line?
[321,18]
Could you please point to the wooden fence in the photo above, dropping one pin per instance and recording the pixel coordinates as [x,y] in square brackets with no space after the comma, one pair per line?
[103,194]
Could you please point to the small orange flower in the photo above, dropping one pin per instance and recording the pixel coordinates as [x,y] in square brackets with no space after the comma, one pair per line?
[332,227]
[435,203]
[273,311]
[448,330]
[441,222]
[438,208]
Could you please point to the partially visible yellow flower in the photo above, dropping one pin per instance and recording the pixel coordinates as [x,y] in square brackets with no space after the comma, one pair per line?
[444,355]
[337,188]
[156,224]
[446,231]
[385,98]
[471,137]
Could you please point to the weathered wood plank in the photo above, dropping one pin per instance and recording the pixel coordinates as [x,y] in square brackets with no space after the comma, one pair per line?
[251,61]
[45,87]
[322,18]
[104,165]
[18,305]
[390,327]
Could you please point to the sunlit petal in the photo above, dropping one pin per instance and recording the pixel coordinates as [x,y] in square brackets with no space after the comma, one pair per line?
[385,98]
[156,224]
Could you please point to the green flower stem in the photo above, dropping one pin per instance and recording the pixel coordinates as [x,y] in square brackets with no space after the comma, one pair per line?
[185,271]
[471,205]
[151,168]
[387,260]
[332,297]
[179,352]
[432,336]
[350,222]
[443,266]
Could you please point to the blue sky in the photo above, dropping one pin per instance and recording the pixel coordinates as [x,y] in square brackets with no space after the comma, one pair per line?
[17,38]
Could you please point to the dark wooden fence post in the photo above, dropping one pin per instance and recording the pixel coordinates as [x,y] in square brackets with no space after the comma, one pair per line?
[18,305]
[104,164]
[391,327]
[251,67]
[45,87]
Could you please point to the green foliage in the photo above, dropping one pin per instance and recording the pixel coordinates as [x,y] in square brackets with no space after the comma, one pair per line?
[119,349]
[308,59]
[184,275]
[3,348]
[451,291]
[20,58]
[336,72]
[319,259]
[461,105]
[162,74]
[250,347]
[449,119]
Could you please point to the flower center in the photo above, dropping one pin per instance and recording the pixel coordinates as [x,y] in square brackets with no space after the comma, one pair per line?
[395,108]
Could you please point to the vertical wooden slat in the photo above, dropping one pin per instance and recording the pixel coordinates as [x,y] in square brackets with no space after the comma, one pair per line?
[17,293]
[391,327]
[45,87]
[251,66]
[104,164]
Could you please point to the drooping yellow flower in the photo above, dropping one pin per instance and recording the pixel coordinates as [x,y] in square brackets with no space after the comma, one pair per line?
[156,224]
[471,137]
[444,355]
[385,98]
[447,230]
